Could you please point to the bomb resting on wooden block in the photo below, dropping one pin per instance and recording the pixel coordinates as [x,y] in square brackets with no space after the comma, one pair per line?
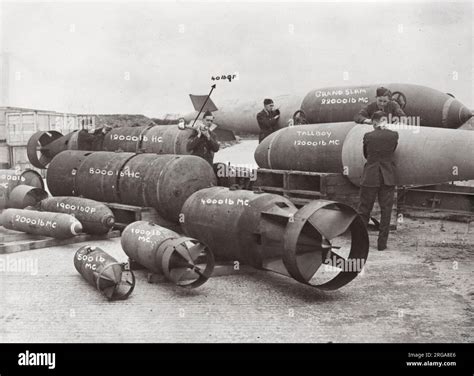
[156,139]
[55,225]
[338,148]
[324,244]
[182,260]
[162,182]
[43,146]
[95,217]
[113,279]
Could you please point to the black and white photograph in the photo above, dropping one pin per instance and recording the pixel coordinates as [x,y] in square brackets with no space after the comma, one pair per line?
[215,172]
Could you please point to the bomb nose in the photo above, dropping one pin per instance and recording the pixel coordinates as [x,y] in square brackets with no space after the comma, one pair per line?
[465,114]
[76,227]
[455,114]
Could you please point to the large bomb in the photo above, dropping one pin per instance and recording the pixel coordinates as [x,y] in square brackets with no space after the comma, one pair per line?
[43,146]
[163,182]
[324,244]
[432,108]
[156,139]
[182,260]
[55,225]
[339,104]
[424,156]
[95,217]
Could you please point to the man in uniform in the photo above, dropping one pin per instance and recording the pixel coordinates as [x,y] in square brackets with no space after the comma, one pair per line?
[203,142]
[267,119]
[383,103]
[378,178]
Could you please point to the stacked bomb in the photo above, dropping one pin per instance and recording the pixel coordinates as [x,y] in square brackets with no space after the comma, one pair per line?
[96,218]
[423,156]
[58,217]
[163,182]
[430,107]
[44,146]
[61,218]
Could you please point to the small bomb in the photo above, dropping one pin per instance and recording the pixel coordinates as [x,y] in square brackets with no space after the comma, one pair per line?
[96,218]
[56,225]
[184,261]
[113,279]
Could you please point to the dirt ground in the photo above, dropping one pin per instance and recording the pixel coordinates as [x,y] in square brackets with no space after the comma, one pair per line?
[421,289]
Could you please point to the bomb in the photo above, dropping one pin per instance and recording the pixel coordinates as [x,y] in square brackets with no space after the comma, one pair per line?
[423,156]
[156,139]
[95,217]
[182,260]
[9,179]
[163,182]
[324,244]
[55,225]
[430,107]
[113,279]
[43,146]
[25,195]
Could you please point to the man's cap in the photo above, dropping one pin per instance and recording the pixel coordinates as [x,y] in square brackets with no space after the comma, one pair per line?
[267,101]
[383,91]
[207,113]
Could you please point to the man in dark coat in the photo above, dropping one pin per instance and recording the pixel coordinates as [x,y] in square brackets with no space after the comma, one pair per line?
[383,103]
[203,142]
[267,119]
[378,178]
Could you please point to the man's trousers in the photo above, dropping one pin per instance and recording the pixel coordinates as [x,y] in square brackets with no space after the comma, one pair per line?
[386,194]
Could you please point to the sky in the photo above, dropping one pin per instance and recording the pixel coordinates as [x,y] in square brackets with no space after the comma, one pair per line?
[146,58]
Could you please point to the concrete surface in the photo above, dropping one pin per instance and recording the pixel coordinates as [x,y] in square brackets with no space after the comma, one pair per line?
[421,289]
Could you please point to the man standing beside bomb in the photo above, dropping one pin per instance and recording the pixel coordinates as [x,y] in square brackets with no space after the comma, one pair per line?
[378,177]
[203,142]
[267,119]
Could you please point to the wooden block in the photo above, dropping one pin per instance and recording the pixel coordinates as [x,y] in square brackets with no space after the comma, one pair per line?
[47,242]
[126,214]
[18,236]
